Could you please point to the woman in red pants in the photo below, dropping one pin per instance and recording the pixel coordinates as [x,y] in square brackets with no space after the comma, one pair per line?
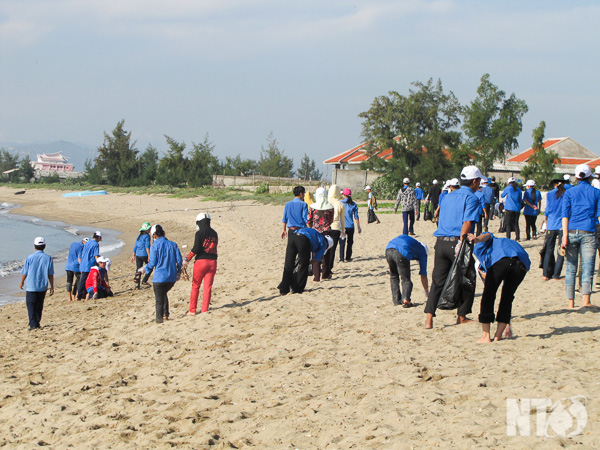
[205,265]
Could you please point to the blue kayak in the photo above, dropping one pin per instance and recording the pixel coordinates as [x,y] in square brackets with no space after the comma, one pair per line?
[84,193]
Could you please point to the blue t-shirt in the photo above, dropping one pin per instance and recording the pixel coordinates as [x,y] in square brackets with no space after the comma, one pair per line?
[411,249]
[38,266]
[74,254]
[481,199]
[419,193]
[142,244]
[318,243]
[490,252]
[528,210]
[91,249]
[295,213]
[581,205]
[554,210]
[350,213]
[513,197]
[488,194]
[442,195]
[165,259]
[459,206]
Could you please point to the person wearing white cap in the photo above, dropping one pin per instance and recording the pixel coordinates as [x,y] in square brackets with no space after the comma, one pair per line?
[596,179]
[420,195]
[533,202]
[581,211]
[38,272]
[433,196]
[399,252]
[96,284]
[553,220]
[371,206]
[458,215]
[449,186]
[407,199]
[567,181]
[205,255]
[72,267]
[488,202]
[89,257]
[141,253]
[512,208]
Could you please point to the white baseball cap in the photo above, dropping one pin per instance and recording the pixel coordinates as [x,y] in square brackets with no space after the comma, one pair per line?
[39,241]
[406,181]
[530,183]
[583,171]
[418,184]
[435,182]
[511,180]
[597,170]
[102,259]
[567,177]
[84,240]
[453,182]
[471,173]
[98,233]
[201,216]
[367,188]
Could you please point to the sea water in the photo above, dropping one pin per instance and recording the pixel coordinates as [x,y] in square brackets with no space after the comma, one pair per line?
[17,233]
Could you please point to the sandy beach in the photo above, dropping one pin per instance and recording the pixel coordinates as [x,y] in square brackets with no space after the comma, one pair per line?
[336,367]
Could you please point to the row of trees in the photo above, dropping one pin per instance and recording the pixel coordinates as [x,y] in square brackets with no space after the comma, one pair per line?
[119,163]
[423,129]
[9,161]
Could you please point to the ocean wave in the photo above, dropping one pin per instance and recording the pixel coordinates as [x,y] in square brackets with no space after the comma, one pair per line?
[111,247]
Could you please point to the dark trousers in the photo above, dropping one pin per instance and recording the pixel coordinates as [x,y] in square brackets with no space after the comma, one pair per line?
[82,292]
[140,261]
[479,226]
[346,245]
[418,210]
[399,270]
[486,221]
[530,226]
[511,218]
[444,257]
[73,287]
[297,246]
[35,306]
[162,301]
[552,265]
[511,271]
[408,217]
[330,255]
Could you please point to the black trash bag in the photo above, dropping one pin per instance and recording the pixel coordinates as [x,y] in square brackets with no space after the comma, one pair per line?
[427,215]
[462,276]
[371,217]
[297,267]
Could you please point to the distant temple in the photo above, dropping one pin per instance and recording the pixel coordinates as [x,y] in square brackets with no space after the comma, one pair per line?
[52,162]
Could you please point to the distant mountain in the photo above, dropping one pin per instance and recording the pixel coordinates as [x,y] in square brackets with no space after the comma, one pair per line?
[77,153]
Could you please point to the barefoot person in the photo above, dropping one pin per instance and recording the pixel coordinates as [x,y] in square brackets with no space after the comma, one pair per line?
[500,260]
[204,250]
[72,267]
[580,214]
[458,215]
[38,271]
[399,252]
[166,260]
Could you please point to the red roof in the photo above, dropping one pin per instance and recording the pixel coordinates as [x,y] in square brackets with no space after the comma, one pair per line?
[593,163]
[358,154]
[574,161]
[343,157]
[522,157]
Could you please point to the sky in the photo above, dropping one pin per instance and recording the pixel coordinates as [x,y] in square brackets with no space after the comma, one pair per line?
[238,70]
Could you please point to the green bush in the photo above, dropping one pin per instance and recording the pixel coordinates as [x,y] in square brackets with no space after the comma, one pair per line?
[386,187]
[263,188]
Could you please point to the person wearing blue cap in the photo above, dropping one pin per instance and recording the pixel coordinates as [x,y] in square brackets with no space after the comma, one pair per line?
[458,215]
[38,272]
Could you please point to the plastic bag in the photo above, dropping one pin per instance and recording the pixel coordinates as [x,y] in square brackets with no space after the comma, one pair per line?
[427,212]
[462,277]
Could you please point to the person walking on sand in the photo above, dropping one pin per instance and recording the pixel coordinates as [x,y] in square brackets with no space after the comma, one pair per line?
[141,252]
[420,195]
[320,217]
[488,196]
[553,219]
[38,272]
[165,259]
[204,250]
[492,184]
[337,226]
[449,187]
[371,206]
[350,216]
[295,216]
[407,199]
[458,216]
[89,256]
[433,195]
[399,252]
[580,214]
[533,202]
[72,267]
[512,208]
[97,282]
[500,261]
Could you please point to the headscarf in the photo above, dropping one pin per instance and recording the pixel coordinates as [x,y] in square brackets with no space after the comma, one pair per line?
[308,198]
[321,203]
[334,193]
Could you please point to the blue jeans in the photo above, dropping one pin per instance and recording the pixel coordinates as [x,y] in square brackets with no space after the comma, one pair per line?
[584,245]
[408,217]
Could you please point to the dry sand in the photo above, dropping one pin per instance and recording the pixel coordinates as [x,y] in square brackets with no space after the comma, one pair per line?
[337,367]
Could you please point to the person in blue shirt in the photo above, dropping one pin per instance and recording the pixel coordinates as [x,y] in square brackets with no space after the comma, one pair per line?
[488,196]
[141,252]
[399,252]
[580,212]
[166,260]
[72,267]
[512,208]
[483,215]
[532,200]
[458,215]
[38,271]
[350,216]
[295,216]
[89,256]
[420,194]
[500,260]
[567,181]
[449,187]
[553,219]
